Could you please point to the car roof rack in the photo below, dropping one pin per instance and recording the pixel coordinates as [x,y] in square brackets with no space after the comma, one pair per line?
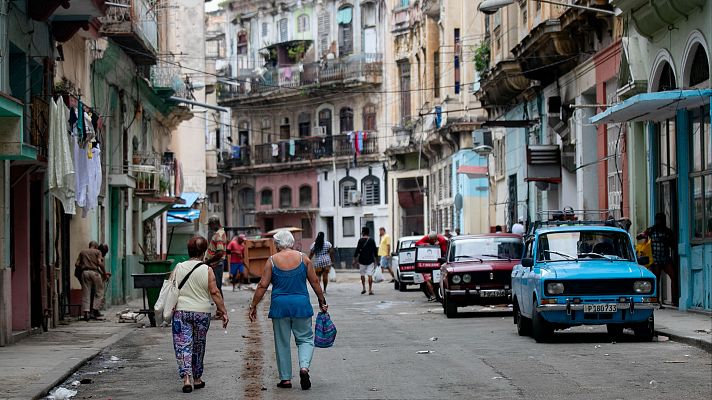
[570,217]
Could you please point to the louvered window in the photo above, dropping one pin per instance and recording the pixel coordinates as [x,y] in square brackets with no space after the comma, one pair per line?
[303,23]
[324,29]
[371,189]
[346,186]
[346,41]
[283,30]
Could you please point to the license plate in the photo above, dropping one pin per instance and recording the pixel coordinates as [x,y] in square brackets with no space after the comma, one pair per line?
[600,308]
[492,293]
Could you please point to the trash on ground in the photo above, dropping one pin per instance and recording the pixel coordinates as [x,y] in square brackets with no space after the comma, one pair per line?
[674,362]
[373,389]
[707,331]
[598,346]
[76,383]
[661,338]
[263,388]
[232,310]
[433,339]
[62,394]
[606,354]
[497,377]
[424,352]
[114,358]
[160,358]
[374,351]
[653,384]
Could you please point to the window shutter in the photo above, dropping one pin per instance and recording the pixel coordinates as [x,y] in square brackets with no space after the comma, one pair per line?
[324,29]
[345,39]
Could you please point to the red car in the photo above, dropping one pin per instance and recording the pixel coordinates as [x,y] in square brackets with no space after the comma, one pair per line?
[478,270]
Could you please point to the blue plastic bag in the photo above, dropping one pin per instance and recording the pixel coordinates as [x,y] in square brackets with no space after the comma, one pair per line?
[324,331]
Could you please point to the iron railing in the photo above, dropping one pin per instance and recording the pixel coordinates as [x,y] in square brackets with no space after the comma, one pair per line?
[314,148]
[137,17]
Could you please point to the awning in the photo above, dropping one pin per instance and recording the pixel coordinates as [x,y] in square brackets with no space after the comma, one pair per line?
[473,171]
[656,106]
[179,216]
[190,199]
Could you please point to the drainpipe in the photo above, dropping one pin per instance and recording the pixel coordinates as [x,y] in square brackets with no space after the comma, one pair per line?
[210,106]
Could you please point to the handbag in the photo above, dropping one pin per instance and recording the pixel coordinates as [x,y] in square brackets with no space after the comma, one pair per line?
[324,331]
[644,248]
[168,297]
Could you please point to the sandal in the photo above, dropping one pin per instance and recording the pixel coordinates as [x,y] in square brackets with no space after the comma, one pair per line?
[304,379]
[284,385]
[187,388]
[370,293]
[363,291]
[199,385]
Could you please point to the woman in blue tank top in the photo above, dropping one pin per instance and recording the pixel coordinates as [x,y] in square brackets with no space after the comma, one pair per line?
[291,312]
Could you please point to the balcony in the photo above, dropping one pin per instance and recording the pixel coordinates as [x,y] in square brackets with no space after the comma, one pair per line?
[156,176]
[651,18]
[167,81]
[134,28]
[238,157]
[285,80]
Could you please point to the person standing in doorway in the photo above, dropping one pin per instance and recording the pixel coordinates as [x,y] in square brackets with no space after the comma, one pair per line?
[384,252]
[365,256]
[663,245]
[236,251]
[215,256]
[92,273]
[322,254]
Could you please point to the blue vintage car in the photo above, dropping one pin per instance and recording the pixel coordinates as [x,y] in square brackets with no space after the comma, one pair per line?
[577,274]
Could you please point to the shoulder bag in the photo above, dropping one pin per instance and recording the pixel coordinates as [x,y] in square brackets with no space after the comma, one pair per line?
[168,298]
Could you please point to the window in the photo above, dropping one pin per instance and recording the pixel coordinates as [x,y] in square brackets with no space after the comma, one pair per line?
[269,224]
[346,120]
[305,196]
[700,70]
[307,231]
[701,173]
[304,124]
[346,186]
[523,11]
[344,18]
[369,117]
[265,30]
[499,157]
[371,189]
[456,74]
[666,170]
[616,141]
[266,197]
[325,120]
[303,23]
[242,42]
[349,227]
[266,132]
[436,74]
[284,129]
[404,74]
[324,31]
[283,30]
[285,197]
[246,198]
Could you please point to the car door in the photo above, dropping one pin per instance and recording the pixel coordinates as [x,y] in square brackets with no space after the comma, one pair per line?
[528,279]
[518,271]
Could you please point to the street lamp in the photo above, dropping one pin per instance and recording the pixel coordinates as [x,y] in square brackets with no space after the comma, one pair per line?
[492,6]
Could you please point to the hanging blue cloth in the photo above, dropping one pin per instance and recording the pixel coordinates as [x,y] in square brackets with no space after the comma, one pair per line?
[438,116]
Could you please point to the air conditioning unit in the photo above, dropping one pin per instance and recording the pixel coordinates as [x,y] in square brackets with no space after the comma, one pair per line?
[354,197]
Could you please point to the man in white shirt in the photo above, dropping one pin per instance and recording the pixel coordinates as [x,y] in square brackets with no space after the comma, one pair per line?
[518,228]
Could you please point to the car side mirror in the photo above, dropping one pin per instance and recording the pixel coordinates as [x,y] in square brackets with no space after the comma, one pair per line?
[645,260]
[442,260]
[527,262]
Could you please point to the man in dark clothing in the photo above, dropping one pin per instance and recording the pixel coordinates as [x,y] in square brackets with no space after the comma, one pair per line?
[365,255]
[663,245]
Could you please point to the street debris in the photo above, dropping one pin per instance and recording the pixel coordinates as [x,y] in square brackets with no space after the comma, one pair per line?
[497,377]
[373,389]
[598,346]
[62,394]
[424,352]
[707,331]
[160,358]
[114,359]
[661,338]
[606,354]
[263,388]
[374,351]
[674,362]
[433,339]
[76,383]
[653,384]
[232,310]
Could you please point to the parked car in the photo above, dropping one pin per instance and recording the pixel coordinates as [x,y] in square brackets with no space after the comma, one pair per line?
[582,274]
[478,270]
[404,274]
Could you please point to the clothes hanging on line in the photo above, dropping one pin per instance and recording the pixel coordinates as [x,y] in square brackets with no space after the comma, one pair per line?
[275,150]
[60,168]
[292,147]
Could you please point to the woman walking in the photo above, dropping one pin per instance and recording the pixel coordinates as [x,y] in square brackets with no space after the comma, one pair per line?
[290,310]
[322,253]
[191,319]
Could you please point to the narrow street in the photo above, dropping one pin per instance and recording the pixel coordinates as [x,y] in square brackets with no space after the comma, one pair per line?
[376,356]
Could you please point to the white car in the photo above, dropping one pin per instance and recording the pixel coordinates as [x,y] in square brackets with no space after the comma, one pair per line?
[403,278]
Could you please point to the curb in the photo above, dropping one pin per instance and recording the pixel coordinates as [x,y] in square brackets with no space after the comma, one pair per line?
[71,366]
[695,342]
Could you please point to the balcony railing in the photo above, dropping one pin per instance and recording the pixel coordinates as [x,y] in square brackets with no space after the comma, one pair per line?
[365,67]
[39,126]
[166,78]
[156,175]
[134,27]
[314,148]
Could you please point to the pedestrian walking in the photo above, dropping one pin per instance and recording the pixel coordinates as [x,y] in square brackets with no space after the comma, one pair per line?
[91,272]
[290,310]
[384,252]
[365,256]
[322,254]
[663,245]
[236,252]
[518,227]
[215,256]
[191,319]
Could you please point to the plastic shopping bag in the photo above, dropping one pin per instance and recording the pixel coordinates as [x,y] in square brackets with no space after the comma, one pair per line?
[378,275]
[324,331]
[167,299]
[332,274]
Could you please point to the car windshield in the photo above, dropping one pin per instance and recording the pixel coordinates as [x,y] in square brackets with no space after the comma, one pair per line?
[488,248]
[584,245]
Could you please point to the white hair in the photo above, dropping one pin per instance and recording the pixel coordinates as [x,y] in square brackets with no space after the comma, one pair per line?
[283,239]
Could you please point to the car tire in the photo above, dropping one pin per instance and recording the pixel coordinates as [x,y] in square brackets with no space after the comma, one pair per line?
[541,330]
[614,330]
[438,296]
[645,331]
[396,284]
[450,308]
[524,324]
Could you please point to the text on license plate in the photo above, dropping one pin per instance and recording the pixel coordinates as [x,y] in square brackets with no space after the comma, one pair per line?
[600,308]
[492,293]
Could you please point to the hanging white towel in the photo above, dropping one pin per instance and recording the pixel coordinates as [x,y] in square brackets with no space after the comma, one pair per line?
[62,183]
[275,150]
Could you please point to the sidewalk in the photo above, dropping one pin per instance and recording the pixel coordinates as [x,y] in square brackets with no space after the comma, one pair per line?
[35,365]
[694,329]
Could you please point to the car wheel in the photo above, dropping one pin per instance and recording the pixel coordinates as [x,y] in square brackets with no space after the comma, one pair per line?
[524,324]
[438,295]
[396,284]
[541,330]
[450,308]
[645,331]
[614,330]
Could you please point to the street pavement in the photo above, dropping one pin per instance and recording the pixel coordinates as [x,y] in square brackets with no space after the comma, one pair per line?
[378,354]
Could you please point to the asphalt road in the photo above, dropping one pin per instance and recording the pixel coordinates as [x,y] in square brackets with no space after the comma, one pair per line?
[376,356]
